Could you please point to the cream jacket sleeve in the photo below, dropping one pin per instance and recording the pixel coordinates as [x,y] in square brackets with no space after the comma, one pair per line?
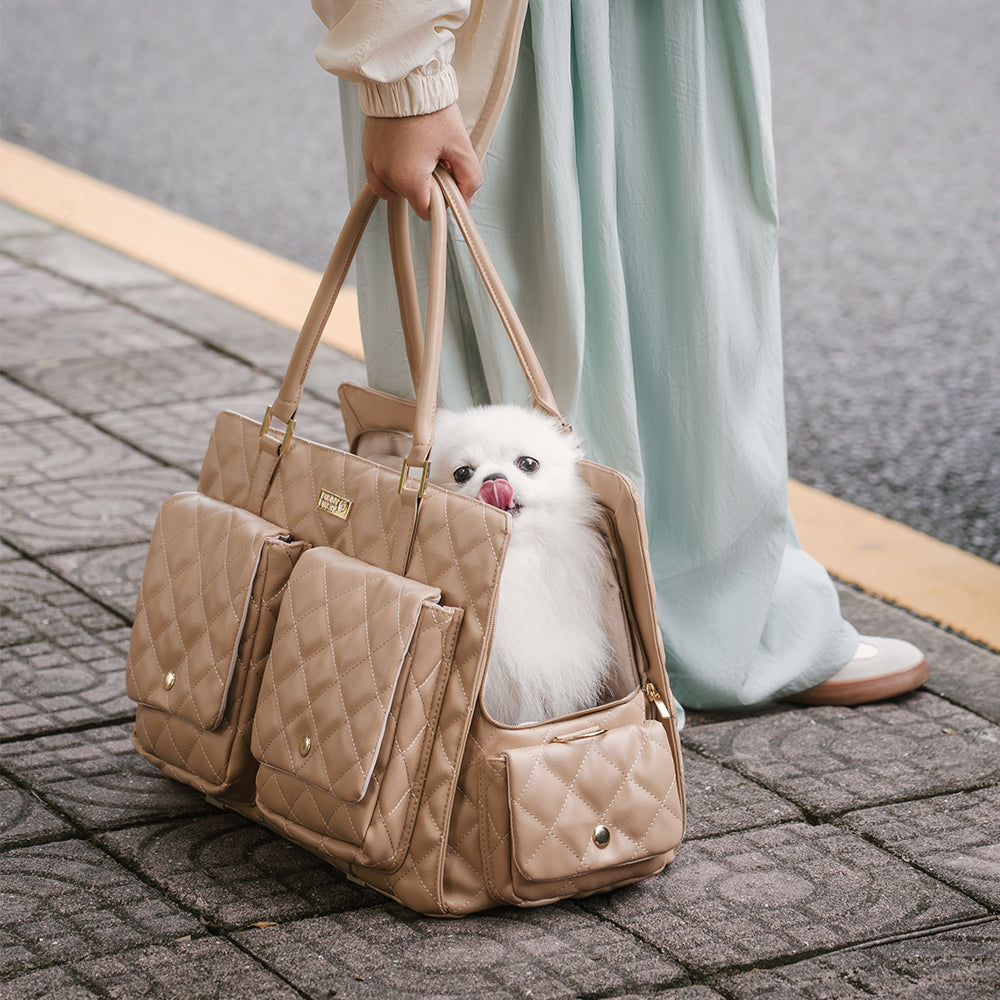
[398,51]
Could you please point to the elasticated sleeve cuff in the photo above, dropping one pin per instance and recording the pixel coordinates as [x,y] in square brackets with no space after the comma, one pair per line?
[416,94]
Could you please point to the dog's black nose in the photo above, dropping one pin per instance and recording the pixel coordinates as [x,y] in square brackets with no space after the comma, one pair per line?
[496,475]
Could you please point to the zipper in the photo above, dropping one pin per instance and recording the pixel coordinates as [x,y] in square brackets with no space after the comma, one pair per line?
[655,699]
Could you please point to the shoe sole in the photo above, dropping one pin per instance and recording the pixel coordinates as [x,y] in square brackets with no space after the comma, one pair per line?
[862,692]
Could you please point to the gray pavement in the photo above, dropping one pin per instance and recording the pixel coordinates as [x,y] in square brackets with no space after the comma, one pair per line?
[887,127]
[836,853]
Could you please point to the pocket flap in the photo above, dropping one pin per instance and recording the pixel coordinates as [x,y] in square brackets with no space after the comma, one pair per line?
[192,606]
[343,633]
[593,803]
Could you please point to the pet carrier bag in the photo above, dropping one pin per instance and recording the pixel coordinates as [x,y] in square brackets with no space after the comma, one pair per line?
[313,629]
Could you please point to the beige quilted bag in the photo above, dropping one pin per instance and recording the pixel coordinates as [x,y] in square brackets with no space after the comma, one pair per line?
[312,633]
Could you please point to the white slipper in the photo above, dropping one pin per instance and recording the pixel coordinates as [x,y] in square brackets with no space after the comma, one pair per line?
[881,668]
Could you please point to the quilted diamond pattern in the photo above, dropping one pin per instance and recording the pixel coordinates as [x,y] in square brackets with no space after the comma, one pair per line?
[338,653]
[192,605]
[376,830]
[560,793]
[227,469]
[217,762]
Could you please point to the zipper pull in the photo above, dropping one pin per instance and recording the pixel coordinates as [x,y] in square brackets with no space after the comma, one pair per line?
[653,697]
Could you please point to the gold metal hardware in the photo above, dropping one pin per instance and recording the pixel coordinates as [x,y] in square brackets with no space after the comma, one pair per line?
[423,478]
[602,837]
[335,505]
[653,697]
[582,735]
[168,679]
[305,745]
[289,430]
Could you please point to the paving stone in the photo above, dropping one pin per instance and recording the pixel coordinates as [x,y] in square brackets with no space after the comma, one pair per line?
[53,983]
[960,964]
[81,260]
[63,656]
[207,968]
[65,448]
[89,512]
[47,687]
[178,433]
[142,378]
[554,951]
[683,993]
[960,671]
[24,819]
[955,837]
[720,801]
[774,893]
[15,222]
[111,576]
[18,405]
[214,320]
[38,605]
[102,331]
[98,779]
[831,760]
[234,872]
[67,901]
[244,334]
[28,292]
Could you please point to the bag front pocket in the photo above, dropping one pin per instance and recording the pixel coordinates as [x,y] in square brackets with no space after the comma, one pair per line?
[349,705]
[579,814]
[204,618]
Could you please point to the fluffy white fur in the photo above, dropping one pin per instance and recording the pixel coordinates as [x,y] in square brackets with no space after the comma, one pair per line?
[551,653]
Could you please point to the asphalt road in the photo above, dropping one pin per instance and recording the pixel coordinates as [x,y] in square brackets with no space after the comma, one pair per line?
[887,121]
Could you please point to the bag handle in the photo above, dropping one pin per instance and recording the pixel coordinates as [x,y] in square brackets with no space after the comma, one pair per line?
[406,285]
[541,394]
[424,358]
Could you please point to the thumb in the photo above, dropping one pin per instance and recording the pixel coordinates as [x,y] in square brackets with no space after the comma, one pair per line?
[463,164]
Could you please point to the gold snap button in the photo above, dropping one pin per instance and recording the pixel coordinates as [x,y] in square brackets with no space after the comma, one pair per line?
[168,679]
[305,745]
[602,836]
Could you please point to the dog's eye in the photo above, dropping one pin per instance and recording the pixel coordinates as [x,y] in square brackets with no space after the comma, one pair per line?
[527,464]
[463,474]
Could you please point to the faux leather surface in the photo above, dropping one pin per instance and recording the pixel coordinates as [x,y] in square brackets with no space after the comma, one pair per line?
[342,639]
[197,539]
[561,793]
[192,606]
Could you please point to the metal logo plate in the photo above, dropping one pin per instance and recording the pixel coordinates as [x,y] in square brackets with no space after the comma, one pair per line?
[333,504]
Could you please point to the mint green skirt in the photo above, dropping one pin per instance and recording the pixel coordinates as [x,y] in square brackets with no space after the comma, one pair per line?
[629,207]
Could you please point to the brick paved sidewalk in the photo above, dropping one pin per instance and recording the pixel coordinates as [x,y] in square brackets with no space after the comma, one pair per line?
[831,852]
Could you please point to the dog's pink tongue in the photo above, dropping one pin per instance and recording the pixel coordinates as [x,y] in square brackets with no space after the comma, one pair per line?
[497,493]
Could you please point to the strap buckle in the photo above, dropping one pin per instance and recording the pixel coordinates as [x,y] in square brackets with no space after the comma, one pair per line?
[423,478]
[289,430]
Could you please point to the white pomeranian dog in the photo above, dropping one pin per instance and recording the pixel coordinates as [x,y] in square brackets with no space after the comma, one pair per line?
[551,653]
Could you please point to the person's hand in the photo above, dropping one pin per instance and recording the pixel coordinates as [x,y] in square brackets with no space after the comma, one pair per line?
[401,154]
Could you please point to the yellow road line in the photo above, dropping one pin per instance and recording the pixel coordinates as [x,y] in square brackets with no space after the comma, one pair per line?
[891,561]
[882,557]
[199,255]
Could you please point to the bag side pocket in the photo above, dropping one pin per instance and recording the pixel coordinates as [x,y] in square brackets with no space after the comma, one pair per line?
[213,576]
[348,707]
[582,815]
